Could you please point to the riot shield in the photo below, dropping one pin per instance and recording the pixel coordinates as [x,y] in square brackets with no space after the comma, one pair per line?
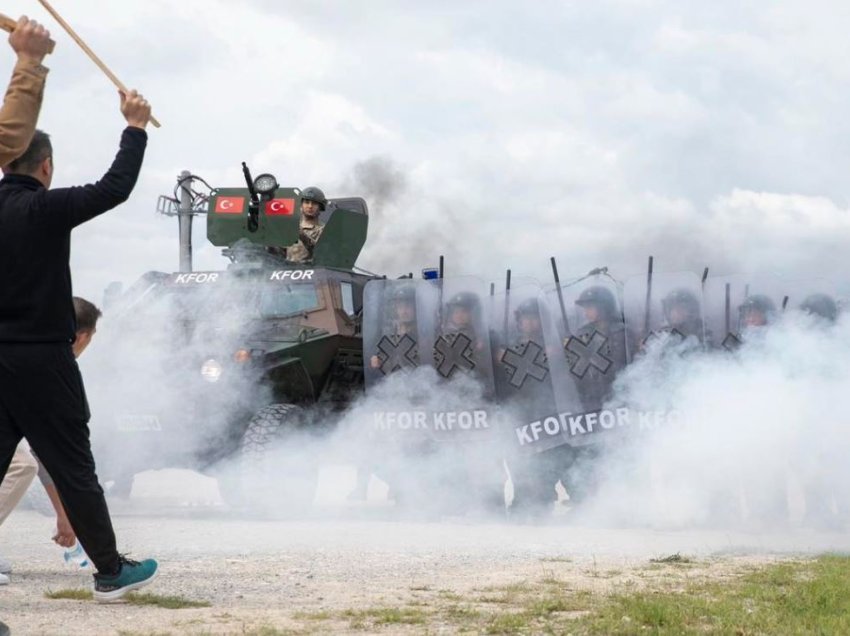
[816,298]
[587,316]
[593,336]
[428,361]
[663,308]
[398,325]
[742,304]
[526,349]
[462,338]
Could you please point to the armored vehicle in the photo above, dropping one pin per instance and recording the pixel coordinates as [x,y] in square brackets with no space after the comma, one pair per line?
[212,370]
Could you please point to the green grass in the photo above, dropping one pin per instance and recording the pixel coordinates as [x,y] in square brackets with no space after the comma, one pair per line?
[134,598]
[672,558]
[805,597]
[361,619]
[166,602]
[71,593]
[789,598]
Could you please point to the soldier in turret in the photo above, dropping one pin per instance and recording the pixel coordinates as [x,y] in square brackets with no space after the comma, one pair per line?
[313,203]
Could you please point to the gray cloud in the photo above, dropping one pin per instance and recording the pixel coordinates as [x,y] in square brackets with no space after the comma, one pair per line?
[596,132]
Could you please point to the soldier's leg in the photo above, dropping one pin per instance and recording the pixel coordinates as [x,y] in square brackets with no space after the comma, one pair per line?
[19,475]
[47,403]
[534,476]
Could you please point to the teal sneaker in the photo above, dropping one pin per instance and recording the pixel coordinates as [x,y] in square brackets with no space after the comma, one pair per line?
[132,576]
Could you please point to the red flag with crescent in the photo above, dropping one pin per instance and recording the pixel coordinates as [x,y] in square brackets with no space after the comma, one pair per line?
[280,207]
[229,205]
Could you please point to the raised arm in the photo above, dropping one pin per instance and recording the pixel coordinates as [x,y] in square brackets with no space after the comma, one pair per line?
[22,103]
[69,207]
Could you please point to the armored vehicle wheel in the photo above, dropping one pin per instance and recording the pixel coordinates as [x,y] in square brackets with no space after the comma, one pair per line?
[276,468]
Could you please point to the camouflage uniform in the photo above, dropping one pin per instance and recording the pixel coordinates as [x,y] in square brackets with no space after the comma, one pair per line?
[308,235]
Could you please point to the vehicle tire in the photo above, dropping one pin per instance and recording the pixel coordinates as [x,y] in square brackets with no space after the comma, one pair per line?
[275,470]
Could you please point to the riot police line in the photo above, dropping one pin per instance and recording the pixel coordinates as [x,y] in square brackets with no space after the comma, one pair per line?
[545,361]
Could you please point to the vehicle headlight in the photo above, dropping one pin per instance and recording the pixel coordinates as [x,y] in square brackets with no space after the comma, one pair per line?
[211,370]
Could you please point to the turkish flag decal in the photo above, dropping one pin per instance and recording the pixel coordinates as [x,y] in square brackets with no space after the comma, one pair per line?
[229,205]
[280,207]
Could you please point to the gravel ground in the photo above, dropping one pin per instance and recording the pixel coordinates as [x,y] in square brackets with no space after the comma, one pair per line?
[259,573]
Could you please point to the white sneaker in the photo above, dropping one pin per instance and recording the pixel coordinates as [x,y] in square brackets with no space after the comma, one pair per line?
[4,580]
[5,566]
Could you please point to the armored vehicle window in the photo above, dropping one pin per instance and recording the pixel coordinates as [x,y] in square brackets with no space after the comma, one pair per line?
[347,297]
[277,300]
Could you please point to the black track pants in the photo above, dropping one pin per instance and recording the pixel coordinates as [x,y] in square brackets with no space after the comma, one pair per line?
[42,398]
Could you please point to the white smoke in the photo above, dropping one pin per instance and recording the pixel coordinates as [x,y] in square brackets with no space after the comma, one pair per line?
[761,439]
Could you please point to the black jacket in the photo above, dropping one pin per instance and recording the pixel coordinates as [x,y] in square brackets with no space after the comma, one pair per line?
[35,243]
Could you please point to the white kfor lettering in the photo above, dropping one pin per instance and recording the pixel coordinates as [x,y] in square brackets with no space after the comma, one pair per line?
[440,422]
[622,416]
[551,426]
[464,420]
[419,420]
[607,419]
[196,277]
[523,436]
[575,425]
[535,429]
[379,421]
[292,274]
[404,420]
[481,419]
[590,421]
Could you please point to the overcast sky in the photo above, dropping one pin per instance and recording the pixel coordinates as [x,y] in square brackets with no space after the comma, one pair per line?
[496,133]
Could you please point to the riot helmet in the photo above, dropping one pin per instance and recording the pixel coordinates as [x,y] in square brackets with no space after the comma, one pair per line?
[528,307]
[463,309]
[757,310]
[680,306]
[821,305]
[602,299]
[314,194]
[527,315]
[401,302]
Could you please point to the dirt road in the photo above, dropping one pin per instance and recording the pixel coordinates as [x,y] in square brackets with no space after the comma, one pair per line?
[262,574]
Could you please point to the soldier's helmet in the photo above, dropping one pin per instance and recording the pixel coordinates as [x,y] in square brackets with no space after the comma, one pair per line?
[528,307]
[760,303]
[467,300]
[314,194]
[601,297]
[403,293]
[683,298]
[821,305]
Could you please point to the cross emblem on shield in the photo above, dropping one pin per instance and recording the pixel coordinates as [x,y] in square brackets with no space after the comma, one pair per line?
[453,351]
[524,361]
[397,352]
[585,352]
[731,342]
[670,334]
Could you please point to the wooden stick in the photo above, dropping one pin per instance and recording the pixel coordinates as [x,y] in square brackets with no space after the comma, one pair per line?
[8,24]
[94,58]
